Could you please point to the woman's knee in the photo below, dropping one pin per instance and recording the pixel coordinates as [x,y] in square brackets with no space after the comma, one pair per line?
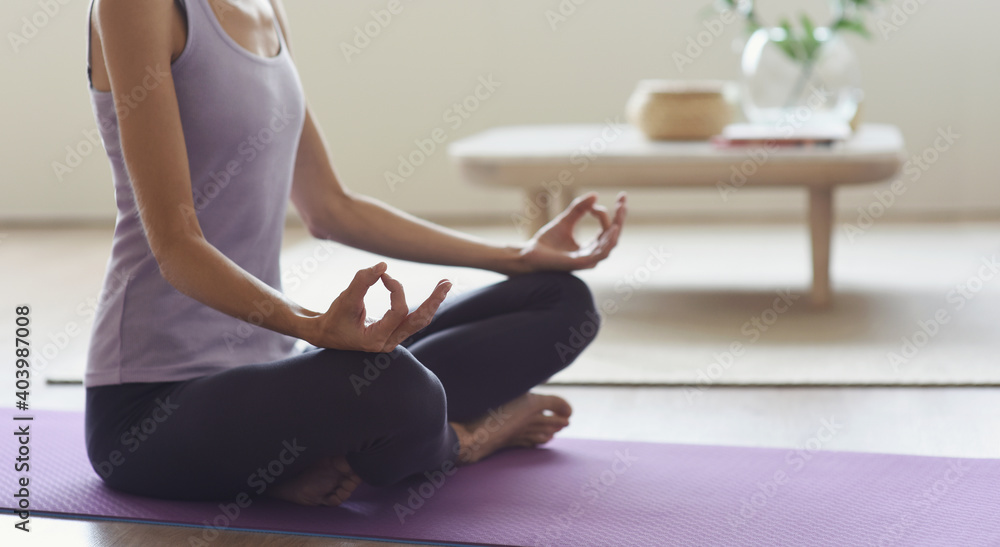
[562,289]
[397,385]
[576,292]
[382,389]
[571,319]
[406,411]
[574,304]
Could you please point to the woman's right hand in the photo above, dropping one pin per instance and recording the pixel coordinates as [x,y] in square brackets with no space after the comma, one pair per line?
[346,326]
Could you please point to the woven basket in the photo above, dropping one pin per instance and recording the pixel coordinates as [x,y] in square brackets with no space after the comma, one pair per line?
[679,110]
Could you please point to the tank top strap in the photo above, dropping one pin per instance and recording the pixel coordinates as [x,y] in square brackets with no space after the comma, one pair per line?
[197,13]
[90,17]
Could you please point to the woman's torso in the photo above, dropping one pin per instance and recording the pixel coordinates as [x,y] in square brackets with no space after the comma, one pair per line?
[242,116]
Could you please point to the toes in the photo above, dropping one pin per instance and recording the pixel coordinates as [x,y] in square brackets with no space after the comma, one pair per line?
[533,438]
[554,423]
[348,486]
[330,482]
[531,433]
[303,498]
[294,494]
[540,438]
[344,488]
[341,465]
[332,500]
[338,496]
[557,405]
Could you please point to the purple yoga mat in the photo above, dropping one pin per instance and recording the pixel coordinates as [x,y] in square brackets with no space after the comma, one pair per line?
[580,493]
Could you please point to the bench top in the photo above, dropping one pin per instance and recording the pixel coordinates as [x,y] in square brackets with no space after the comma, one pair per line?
[618,154]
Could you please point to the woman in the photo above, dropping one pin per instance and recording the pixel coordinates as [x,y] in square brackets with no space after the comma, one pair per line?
[194,390]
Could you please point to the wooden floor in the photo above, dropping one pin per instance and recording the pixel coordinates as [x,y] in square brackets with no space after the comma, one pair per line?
[955,422]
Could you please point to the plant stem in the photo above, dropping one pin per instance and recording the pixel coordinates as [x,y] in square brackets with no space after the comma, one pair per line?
[800,85]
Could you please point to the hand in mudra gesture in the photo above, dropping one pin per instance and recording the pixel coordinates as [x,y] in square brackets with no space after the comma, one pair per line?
[346,325]
[555,248]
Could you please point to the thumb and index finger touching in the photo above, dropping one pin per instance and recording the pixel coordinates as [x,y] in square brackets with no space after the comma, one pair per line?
[394,326]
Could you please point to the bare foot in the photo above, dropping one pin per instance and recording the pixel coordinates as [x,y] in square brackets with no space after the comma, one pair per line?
[329,481]
[529,420]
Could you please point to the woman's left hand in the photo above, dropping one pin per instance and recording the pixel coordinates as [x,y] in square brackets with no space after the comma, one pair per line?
[555,248]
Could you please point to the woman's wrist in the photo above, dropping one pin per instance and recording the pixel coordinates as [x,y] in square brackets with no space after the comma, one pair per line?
[305,325]
[512,260]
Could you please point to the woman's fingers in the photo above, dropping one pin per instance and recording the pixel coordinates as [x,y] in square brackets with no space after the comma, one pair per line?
[621,209]
[349,328]
[599,249]
[611,242]
[354,294]
[398,310]
[579,207]
[425,312]
[608,239]
[378,332]
[608,242]
[420,317]
[588,204]
[602,216]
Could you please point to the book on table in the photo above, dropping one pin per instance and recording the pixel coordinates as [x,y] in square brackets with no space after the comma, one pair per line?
[745,134]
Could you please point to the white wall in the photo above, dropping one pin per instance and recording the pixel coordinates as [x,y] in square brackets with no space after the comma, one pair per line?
[939,70]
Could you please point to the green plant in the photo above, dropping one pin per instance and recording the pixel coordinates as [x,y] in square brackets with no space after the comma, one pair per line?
[802,45]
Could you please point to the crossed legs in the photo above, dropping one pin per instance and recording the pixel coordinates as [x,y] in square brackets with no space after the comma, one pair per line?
[333,418]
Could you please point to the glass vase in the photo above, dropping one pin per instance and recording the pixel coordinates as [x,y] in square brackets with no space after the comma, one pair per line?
[779,88]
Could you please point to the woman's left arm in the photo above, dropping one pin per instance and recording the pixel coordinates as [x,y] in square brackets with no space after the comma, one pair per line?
[333,212]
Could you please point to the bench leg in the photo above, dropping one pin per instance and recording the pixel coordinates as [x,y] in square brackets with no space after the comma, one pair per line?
[821,228]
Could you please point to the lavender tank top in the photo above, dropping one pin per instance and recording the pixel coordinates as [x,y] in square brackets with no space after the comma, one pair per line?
[242,116]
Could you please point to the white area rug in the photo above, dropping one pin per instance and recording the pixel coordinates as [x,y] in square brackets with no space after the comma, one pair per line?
[689,319]
[713,312]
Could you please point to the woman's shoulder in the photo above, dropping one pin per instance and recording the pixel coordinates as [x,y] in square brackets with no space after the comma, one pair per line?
[127,25]
[129,11]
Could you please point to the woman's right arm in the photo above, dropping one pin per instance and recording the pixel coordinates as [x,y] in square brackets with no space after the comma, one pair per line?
[136,36]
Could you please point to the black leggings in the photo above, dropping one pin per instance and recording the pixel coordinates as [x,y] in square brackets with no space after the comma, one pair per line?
[239,430]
